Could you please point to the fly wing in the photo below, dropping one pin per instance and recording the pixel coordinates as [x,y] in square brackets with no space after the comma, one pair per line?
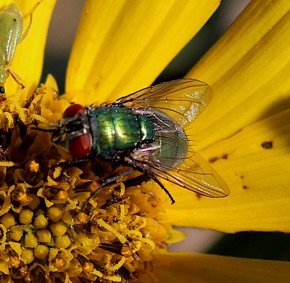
[183,100]
[169,157]
[192,173]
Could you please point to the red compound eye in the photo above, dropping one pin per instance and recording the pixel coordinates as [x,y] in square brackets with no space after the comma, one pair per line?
[72,110]
[80,147]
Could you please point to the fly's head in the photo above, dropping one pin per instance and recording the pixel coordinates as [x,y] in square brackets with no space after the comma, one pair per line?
[73,131]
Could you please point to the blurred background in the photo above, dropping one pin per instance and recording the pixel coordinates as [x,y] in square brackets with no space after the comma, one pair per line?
[60,39]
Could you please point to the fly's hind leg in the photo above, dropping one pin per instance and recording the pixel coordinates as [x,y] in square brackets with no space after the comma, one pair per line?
[145,177]
[138,180]
[151,176]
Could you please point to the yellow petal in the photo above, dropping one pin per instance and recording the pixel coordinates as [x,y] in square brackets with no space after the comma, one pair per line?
[248,70]
[175,236]
[122,46]
[255,165]
[184,268]
[28,60]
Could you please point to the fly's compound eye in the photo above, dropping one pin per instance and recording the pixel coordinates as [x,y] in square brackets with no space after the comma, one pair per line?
[73,110]
[80,146]
[76,125]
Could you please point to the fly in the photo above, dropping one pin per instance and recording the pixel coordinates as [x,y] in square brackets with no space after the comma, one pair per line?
[145,130]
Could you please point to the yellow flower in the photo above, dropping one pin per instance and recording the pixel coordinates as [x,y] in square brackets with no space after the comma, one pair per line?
[50,228]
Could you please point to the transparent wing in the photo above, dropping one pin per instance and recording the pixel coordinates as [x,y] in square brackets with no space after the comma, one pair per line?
[183,100]
[193,173]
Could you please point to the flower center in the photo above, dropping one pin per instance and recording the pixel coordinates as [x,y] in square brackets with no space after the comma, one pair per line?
[51,229]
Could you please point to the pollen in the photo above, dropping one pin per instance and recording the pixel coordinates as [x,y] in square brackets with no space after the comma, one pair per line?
[33,166]
[53,228]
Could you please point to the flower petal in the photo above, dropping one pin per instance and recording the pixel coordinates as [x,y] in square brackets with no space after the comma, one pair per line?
[255,165]
[248,70]
[28,60]
[182,267]
[122,46]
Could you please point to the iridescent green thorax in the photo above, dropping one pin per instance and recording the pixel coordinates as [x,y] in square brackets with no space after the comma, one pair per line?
[116,129]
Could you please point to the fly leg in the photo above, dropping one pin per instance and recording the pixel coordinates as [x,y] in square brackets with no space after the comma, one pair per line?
[163,188]
[148,176]
[145,177]
[107,181]
[138,180]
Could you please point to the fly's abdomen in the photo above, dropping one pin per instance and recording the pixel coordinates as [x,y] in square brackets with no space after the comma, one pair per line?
[116,129]
[173,148]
